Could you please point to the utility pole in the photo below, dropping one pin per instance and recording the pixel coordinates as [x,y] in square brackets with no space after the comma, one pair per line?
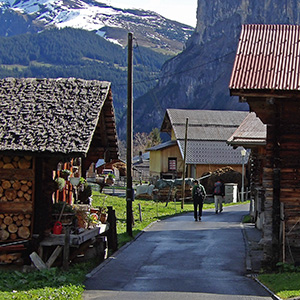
[184,162]
[129,189]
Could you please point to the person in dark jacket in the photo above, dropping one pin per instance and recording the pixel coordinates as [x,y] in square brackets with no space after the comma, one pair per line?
[199,195]
[219,193]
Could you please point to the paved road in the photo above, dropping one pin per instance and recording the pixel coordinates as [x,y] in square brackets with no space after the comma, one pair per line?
[179,258]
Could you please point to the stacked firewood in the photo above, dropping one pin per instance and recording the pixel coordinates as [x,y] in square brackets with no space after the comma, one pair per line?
[16,199]
[15,162]
[166,194]
[16,190]
[227,174]
[8,258]
[187,191]
[222,171]
[14,226]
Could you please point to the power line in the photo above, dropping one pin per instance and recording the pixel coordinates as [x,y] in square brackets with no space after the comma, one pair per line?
[185,70]
[190,69]
[153,96]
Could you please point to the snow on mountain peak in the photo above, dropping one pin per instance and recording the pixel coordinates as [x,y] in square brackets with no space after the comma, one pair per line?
[105,20]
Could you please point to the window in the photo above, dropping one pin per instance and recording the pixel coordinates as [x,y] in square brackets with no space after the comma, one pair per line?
[172,164]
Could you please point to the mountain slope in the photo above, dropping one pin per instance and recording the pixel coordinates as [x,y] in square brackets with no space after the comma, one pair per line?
[199,76]
[149,28]
[78,53]
[61,53]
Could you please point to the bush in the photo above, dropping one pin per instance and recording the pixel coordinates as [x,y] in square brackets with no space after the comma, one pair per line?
[84,195]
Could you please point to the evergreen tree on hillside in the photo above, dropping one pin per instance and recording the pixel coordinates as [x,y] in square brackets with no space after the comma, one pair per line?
[82,54]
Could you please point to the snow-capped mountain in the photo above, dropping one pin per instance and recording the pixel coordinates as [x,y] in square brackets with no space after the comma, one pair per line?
[149,28]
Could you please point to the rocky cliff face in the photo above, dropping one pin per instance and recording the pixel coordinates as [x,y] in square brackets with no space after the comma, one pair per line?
[198,77]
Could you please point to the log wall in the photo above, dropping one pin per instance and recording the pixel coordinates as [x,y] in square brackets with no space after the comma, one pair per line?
[281,178]
[256,185]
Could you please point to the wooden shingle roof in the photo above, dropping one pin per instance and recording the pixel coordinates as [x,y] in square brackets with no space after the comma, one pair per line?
[208,132]
[252,132]
[50,115]
[211,125]
[267,60]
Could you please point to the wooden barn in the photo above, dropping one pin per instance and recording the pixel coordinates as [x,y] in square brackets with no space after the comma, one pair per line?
[206,150]
[47,124]
[266,75]
[251,134]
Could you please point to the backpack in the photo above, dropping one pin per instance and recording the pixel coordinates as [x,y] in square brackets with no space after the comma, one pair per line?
[217,189]
[199,193]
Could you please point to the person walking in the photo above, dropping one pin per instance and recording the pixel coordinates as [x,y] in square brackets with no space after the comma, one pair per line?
[199,195]
[219,193]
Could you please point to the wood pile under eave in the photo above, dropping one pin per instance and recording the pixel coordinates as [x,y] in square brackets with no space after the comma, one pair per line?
[16,197]
[14,226]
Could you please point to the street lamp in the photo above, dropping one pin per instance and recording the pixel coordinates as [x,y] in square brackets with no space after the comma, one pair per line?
[243,153]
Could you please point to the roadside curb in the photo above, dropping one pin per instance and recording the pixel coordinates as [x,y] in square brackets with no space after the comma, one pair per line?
[248,256]
[266,288]
[249,271]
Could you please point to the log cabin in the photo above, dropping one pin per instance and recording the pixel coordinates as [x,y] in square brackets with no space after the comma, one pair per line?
[44,123]
[251,135]
[266,75]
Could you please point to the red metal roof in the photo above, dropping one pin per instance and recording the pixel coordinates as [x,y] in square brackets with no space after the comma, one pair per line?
[268,58]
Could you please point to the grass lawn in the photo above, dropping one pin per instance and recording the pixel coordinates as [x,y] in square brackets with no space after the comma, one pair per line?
[46,284]
[284,284]
[60,285]
[150,211]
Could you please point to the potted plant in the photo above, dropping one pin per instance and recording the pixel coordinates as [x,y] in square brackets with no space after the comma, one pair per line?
[93,220]
[102,212]
[64,212]
[65,174]
[102,215]
[60,183]
[82,218]
[110,179]
[85,192]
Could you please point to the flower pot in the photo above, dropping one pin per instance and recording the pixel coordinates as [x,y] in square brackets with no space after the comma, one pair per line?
[103,218]
[110,181]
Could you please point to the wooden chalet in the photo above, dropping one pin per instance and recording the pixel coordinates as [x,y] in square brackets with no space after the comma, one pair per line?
[46,123]
[207,150]
[117,165]
[251,134]
[266,75]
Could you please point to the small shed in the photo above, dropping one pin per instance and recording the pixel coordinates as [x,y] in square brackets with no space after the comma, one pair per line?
[266,76]
[45,122]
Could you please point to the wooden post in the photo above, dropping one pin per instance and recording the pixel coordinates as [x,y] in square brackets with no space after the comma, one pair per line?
[282,231]
[37,261]
[54,256]
[112,237]
[129,189]
[276,186]
[140,212]
[184,162]
[66,249]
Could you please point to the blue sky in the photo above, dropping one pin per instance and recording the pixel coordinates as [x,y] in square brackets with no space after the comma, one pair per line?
[181,11]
